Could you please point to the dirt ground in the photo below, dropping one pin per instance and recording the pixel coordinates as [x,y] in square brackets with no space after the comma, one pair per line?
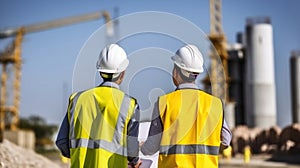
[263,161]
[257,161]
[13,156]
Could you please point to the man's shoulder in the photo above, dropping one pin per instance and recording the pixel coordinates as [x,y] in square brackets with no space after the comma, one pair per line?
[208,95]
[92,91]
[204,93]
[99,88]
[75,94]
[83,92]
[188,89]
[115,90]
[201,92]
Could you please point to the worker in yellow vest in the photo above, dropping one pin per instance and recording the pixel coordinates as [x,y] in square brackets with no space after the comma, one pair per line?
[188,127]
[101,126]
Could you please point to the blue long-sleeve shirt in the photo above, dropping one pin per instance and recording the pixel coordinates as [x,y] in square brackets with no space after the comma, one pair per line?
[62,140]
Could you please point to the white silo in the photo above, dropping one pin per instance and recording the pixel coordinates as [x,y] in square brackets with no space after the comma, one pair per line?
[260,82]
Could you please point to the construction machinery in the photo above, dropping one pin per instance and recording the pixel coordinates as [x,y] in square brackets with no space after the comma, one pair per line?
[218,79]
[12,55]
[219,56]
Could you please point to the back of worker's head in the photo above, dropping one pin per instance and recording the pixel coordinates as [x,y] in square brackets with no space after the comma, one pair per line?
[188,63]
[112,62]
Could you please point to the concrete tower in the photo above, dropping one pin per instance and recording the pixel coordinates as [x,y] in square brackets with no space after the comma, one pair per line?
[260,81]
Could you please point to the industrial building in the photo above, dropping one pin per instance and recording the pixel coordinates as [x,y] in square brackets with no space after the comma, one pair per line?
[251,75]
[236,71]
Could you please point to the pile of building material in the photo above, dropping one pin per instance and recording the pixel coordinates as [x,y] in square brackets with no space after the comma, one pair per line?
[14,156]
[266,140]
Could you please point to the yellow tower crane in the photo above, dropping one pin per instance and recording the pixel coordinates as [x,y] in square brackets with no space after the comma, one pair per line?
[12,55]
[219,65]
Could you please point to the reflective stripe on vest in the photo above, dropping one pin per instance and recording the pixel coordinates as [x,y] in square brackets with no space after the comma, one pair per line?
[73,100]
[189,149]
[96,144]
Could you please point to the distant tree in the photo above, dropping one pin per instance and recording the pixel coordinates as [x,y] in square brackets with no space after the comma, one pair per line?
[43,131]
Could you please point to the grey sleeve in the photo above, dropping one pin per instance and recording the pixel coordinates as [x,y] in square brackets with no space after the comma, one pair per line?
[226,135]
[132,137]
[62,140]
[152,144]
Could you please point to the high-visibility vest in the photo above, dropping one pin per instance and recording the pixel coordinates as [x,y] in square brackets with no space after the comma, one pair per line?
[98,127]
[192,122]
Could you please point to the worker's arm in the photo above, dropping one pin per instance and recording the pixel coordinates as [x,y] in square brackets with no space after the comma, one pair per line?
[62,140]
[132,138]
[226,136]
[152,144]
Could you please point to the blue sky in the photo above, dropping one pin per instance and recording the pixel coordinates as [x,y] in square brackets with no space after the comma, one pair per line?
[49,56]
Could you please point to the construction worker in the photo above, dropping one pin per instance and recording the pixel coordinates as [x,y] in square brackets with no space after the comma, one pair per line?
[188,127]
[101,126]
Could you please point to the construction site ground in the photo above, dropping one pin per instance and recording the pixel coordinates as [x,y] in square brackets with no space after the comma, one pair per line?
[14,156]
[262,161]
[257,161]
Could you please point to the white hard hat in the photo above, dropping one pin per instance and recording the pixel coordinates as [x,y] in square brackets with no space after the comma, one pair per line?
[112,59]
[189,58]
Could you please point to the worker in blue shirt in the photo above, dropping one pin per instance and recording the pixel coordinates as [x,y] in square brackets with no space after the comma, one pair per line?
[101,126]
[188,126]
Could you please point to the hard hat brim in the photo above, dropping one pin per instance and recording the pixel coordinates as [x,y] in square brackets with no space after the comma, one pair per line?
[122,67]
[176,60]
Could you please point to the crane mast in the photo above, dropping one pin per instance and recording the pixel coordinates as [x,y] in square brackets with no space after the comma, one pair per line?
[219,65]
[12,55]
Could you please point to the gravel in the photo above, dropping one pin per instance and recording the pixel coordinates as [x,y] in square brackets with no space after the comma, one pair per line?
[13,156]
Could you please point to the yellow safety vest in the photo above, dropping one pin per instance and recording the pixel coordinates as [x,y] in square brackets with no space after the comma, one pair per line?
[192,122]
[98,127]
